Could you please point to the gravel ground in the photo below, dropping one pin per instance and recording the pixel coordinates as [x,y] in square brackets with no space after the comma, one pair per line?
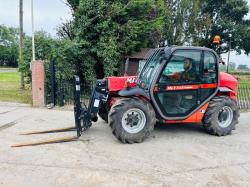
[175,155]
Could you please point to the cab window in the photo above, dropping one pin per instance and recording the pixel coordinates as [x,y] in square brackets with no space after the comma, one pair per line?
[183,67]
[209,75]
[209,68]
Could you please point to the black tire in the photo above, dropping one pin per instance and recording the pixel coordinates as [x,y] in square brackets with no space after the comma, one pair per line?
[211,118]
[117,112]
[103,112]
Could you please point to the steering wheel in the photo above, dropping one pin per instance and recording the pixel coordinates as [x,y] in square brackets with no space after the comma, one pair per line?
[175,77]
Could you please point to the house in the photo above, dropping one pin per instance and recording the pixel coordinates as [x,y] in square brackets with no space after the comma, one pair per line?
[136,61]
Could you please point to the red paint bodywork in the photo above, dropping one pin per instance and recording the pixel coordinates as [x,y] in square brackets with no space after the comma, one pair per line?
[116,84]
[194,118]
[231,82]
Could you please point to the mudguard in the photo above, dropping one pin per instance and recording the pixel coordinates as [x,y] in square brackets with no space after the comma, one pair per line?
[133,92]
[228,92]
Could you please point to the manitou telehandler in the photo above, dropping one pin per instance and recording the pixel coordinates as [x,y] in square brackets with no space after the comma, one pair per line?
[176,85]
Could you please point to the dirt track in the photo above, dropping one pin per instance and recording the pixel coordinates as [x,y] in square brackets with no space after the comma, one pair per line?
[176,155]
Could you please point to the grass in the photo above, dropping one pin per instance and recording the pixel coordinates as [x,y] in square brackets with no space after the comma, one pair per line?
[244,78]
[10,88]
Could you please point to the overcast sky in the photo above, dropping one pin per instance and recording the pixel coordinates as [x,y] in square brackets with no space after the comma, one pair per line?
[48,14]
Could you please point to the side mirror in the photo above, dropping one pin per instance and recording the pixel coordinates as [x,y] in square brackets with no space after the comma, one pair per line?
[168,52]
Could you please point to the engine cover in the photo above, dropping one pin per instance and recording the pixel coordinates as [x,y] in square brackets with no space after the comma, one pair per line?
[118,83]
[228,81]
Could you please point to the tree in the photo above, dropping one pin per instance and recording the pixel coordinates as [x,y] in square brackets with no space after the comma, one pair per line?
[105,31]
[8,46]
[226,17]
[196,22]
[49,49]
[181,21]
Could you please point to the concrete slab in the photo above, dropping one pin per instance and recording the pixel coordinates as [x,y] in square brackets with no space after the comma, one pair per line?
[175,155]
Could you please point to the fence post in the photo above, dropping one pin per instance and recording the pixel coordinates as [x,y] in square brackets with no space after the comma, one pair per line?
[61,92]
[53,82]
[38,79]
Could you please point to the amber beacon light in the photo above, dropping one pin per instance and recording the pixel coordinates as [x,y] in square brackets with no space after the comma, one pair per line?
[216,40]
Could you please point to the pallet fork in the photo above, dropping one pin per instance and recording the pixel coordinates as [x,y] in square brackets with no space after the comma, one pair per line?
[84,115]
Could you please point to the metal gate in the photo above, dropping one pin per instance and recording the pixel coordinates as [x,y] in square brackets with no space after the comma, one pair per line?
[59,91]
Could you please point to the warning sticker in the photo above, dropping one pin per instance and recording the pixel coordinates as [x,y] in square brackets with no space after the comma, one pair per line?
[96,103]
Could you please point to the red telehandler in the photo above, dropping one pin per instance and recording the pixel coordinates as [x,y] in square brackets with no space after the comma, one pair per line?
[176,85]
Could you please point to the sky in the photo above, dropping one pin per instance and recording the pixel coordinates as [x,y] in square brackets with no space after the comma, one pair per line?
[49,14]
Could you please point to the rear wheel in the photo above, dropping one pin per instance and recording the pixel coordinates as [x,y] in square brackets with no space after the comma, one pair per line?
[132,120]
[221,116]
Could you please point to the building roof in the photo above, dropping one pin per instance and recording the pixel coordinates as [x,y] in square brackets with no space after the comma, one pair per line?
[144,54]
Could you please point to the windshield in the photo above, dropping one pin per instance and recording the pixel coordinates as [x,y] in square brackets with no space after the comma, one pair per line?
[148,72]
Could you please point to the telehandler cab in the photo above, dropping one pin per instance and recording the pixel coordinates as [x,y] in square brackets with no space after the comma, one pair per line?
[176,85]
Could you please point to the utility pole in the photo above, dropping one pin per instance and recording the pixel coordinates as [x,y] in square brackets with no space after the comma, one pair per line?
[33,37]
[230,36]
[21,42]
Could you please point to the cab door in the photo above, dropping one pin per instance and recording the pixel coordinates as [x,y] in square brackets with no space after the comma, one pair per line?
[177,90]
[209,75]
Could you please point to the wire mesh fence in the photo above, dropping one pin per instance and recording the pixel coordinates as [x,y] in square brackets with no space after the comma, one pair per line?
[244,95]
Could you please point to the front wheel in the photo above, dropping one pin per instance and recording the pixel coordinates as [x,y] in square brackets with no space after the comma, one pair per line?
[221,116]
[132,120]
[103,112]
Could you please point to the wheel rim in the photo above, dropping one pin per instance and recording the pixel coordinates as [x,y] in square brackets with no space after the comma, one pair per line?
[225,116]
[133,120]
